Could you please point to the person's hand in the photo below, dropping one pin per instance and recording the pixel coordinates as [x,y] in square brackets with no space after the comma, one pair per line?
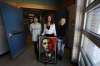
[41,35]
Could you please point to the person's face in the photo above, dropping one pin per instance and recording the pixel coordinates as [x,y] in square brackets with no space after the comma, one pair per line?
[31,20]
[62,21]
[49,18]
[45,43]
[35,19]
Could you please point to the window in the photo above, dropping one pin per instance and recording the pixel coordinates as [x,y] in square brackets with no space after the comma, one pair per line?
[90,42]
[89,2]
[92,51]
[93,21]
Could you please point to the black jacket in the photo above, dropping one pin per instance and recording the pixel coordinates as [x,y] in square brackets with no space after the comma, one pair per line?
[61,31]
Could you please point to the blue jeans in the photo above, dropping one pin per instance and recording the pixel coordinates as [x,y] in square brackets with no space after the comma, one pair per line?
[61,46]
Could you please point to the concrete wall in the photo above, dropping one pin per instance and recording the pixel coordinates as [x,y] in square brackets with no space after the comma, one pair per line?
[71,24]
[77,30]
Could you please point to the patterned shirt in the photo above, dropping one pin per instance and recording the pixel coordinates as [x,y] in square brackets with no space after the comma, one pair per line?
[35,29]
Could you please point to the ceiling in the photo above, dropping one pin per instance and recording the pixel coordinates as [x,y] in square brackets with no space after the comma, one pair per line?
[40,4]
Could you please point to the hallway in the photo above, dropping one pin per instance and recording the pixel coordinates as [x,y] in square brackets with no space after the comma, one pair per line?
[27,58]
[17,17]
[80,32]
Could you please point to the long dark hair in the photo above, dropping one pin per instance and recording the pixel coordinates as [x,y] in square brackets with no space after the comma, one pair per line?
[52,20]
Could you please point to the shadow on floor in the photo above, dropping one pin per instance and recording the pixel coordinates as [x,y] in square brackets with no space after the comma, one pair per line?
[27,58]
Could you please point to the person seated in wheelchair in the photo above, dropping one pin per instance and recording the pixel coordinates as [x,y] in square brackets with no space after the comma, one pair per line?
[48,45]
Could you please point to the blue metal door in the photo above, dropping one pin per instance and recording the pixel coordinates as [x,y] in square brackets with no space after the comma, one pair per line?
[13,20]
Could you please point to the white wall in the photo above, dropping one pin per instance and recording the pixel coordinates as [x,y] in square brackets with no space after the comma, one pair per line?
[77,34]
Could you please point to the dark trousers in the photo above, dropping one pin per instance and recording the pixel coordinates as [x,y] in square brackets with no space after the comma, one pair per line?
[36,49]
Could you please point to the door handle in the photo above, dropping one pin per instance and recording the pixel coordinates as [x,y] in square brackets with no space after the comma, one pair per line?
[15,33]
[10,35]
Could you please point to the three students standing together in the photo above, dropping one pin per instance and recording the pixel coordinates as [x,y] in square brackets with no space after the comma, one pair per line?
[49,30]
